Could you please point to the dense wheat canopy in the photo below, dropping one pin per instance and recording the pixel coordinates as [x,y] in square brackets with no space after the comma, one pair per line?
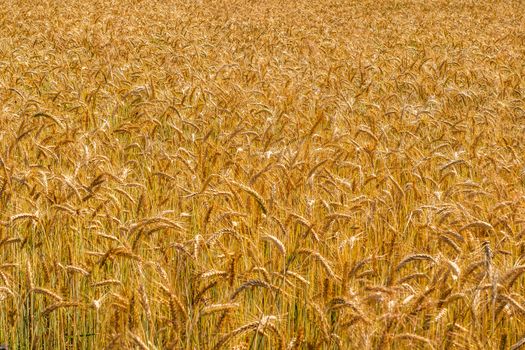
[269,174]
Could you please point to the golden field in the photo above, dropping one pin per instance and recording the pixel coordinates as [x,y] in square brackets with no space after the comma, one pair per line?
[243,174]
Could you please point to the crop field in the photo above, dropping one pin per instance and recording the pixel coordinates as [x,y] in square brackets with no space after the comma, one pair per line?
[251,174]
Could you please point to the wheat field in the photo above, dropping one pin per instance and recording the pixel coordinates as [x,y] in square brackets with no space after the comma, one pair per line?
[245,174]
